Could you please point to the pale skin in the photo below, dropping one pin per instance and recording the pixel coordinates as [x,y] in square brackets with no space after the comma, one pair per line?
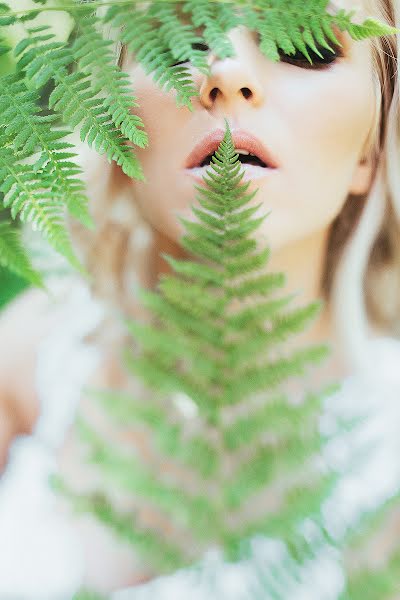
[315,121]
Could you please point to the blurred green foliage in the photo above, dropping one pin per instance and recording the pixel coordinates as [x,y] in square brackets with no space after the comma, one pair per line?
[10,284]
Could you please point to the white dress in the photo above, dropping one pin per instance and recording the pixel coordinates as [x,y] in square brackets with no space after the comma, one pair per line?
[40,554]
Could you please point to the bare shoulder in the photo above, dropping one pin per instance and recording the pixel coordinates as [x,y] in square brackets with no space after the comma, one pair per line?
[23,324]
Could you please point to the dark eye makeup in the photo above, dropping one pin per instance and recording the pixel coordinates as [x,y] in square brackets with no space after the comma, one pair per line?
[318,62]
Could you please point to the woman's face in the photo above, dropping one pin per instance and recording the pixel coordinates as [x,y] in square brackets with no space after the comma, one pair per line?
[314,120]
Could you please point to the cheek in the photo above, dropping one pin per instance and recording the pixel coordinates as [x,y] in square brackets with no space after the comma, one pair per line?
[332,114]
[330,121]
[323,120]
[156,109]
[163,122]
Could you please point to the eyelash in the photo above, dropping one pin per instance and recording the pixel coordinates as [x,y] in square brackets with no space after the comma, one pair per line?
[195,46]
[297,59]
[318,62]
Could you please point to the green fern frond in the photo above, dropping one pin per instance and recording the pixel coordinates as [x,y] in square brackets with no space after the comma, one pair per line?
[24,195]
[179,37]
[215,19]
[73,97]
[93,53]
[199,472]
[290,26]
[138,33]
[33,133]
[14,257]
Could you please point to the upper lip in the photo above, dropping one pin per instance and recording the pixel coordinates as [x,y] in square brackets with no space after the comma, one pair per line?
[242,140]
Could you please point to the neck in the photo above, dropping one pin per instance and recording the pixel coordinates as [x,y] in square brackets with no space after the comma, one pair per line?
[303,264]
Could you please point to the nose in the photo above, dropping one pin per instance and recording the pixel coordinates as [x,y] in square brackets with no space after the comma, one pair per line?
[234,80]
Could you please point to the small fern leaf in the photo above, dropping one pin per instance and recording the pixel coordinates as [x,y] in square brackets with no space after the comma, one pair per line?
[6,17]
[13,255]
[4,44]
[369,28]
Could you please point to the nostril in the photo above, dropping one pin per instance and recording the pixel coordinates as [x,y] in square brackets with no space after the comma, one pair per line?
[213,93]
[246,92]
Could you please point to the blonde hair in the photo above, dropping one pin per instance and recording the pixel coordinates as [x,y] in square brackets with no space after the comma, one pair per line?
[362,270]
[361,279]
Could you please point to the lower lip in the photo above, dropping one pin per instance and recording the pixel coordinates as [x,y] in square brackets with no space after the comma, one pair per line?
[250,172]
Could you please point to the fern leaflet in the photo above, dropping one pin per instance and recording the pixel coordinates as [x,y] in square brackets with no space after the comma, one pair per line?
[13,255]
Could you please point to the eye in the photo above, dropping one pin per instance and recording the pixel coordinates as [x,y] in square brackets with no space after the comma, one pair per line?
[318,62]
[195,46]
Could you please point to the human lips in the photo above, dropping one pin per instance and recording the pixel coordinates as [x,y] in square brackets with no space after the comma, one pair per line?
[242,140]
